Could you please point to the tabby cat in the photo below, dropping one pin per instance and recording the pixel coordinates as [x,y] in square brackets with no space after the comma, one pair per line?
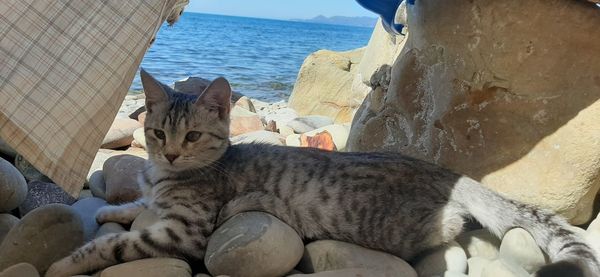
[194,180]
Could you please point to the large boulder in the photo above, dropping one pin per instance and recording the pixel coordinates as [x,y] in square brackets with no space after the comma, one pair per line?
[324,85]
[501,91]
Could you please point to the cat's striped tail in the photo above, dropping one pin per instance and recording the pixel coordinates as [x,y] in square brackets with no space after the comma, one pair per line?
[568,250]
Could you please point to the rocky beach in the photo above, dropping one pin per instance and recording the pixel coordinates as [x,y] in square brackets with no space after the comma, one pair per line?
[421,94]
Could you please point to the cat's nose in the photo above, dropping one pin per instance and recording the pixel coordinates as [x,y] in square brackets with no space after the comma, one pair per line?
[171,157]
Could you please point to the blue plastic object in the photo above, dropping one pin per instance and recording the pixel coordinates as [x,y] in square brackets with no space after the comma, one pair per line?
[386,9]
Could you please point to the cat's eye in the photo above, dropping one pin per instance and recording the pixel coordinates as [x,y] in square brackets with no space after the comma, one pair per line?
[159,134]
[193,136]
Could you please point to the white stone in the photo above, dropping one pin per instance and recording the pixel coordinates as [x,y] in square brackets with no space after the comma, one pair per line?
[519,247]
[259,137]
[480,243]
[450,257]
[476,265]
[503,268]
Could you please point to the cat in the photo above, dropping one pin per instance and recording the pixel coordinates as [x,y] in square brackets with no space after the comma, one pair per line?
[194,180]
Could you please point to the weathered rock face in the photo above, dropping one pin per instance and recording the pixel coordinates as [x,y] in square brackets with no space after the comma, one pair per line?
[324,85]
[503,99]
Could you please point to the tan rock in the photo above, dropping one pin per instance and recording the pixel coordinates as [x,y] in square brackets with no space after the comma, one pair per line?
[20,270]
[120,133]
[244,121]
[329,255]
[324,85]
[245,103]
[498,99]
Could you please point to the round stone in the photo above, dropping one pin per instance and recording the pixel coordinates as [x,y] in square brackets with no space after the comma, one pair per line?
[253,244]
[519,247]
[7,222]
[480,243]
[328,255]
[503,268]
[87,208]
[155,267]
[97,184]
[308,123]
[42,237]
[20,270]
[13,187]
[476,265]
[41,193]
[120,174]
[450,257]
[143,220]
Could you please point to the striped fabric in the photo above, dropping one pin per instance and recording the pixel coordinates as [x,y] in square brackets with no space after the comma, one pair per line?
[65,68]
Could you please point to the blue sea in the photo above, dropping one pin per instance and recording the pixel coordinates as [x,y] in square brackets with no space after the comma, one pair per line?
[260,57]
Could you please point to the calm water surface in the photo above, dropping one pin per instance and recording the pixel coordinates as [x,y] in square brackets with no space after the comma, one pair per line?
[260,57]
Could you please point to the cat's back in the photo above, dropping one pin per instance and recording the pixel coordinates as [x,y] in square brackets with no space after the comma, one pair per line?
[383,164]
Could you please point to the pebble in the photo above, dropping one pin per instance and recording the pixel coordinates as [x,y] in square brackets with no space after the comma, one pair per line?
[7,221]
[454,274]
[338,132]
[476,265]
[480,243]
[120,133]
[120,175]
[308,123]
[503,268]
[85,193]
[101,156]
[139,136]
[154,267]
[245,103]
[143,220]
[244,121]
[519,247]
[87,208]
[281,116]
[13,187]
[258,244]
[20,270]
[110,228]
[450,257]
[29,171]
[41,194]
[327,255]
[97,184]
[42,237]
[259,137]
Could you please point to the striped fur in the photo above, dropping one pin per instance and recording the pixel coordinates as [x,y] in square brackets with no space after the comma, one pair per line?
[382,201]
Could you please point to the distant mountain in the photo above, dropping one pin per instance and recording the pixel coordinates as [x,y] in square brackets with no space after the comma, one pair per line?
[360,21]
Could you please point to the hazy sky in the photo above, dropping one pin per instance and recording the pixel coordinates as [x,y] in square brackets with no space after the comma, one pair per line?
[279,9]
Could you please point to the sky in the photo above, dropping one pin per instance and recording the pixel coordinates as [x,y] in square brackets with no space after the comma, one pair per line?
[279,9]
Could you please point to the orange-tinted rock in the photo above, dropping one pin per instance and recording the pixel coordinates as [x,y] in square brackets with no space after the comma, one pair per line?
[322,140]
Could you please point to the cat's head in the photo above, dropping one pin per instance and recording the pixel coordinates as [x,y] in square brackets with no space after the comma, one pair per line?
[185,131]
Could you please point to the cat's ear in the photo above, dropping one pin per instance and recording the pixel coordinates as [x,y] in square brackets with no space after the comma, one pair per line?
[154,90]
[217,97]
